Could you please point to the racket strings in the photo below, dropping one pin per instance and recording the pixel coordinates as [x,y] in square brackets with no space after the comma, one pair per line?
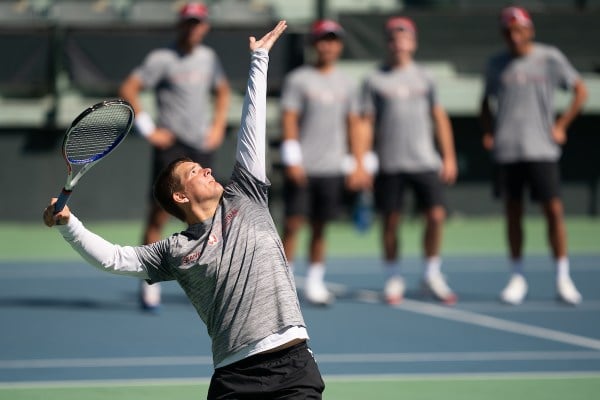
[97,133]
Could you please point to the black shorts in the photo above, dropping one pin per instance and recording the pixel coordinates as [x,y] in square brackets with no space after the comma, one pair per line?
[162,158]
[291,373]
[320,200]
[389,190]
[542,178]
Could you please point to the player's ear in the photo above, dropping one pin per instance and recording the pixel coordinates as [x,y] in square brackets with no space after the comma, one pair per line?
[180,197]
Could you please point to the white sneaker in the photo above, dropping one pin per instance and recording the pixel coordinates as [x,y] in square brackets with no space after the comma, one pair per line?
[150,296]
[317,293]
[567,291]
[394,290]
[436,285]
[515,291]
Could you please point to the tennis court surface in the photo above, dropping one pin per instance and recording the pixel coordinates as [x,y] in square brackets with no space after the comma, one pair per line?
[71,332]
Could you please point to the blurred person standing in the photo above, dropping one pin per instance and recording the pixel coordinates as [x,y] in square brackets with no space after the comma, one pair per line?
[320,116]
[404,119]
[183,76]
[525,138]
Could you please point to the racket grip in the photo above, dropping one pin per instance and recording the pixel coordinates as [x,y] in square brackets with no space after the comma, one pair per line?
[63,197]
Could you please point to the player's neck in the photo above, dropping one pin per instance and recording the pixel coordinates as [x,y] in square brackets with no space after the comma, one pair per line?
[324,67]
[401,61]
[185,46]
[203,211]
[523,51]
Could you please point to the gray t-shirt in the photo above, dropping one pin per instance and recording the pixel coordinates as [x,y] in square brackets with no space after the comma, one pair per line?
[183,84]
[224,262]
[521,93]
[401,101]
[323,102]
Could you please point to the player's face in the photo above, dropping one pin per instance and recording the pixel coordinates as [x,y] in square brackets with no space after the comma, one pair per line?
[197,183]
[329,49]
[518,38]
[194,31]
[401,43]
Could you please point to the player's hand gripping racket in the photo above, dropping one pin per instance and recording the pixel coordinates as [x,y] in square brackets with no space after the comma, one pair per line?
[93,135]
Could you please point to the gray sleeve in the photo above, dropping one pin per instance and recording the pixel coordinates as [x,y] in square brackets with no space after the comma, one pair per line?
[563,73]
[218,73]
[353,106]
[152,69]
[291,94]
[432,93]
[245,184]
[154,259]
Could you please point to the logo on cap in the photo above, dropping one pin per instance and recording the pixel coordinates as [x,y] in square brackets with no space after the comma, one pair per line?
[402,24]
[193,11]
[515,16]
[325,27]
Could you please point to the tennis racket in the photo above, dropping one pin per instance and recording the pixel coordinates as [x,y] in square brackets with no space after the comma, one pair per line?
[95,133]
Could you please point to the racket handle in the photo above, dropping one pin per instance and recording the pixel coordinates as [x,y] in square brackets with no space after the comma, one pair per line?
[63,197]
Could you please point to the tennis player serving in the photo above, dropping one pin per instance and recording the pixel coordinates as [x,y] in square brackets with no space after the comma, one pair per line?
[229,261]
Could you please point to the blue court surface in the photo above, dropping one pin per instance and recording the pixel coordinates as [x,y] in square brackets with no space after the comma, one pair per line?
[67,322]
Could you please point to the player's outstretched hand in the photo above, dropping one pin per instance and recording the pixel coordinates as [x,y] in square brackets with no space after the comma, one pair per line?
[267,41]
[51,219]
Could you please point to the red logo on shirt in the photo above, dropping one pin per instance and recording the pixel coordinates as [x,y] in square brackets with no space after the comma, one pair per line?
[213,239]
[190,258]
[229,217]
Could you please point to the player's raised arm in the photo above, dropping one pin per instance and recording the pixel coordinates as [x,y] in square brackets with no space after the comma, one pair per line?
[267,41]
[252,135]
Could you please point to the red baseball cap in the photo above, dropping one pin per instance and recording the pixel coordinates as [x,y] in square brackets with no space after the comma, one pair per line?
[193,11]
[324,27]
[403,24]
[515,16]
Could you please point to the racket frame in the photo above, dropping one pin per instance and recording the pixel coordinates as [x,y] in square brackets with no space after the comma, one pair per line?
[72,180]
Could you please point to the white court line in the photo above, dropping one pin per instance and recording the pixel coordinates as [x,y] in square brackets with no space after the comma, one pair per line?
[472,318]
[328,378]
[486,321]
[530,306]
[357,358]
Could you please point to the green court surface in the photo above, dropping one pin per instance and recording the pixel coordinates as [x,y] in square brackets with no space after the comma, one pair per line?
[447,388]
[463,236]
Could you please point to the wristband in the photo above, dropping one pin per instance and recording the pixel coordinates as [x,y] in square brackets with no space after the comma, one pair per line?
[370,163]
[144,124]
[291,152]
